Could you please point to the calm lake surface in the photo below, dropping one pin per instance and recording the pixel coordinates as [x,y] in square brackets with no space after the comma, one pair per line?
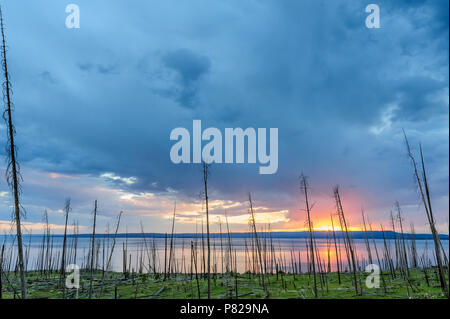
[289,253]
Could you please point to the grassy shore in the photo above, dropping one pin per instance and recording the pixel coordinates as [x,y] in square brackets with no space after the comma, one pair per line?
[113,285]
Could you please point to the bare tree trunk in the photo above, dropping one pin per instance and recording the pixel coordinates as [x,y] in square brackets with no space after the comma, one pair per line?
[1,270]
[205,181]
[349,242]
[114,242]
[304,187]
[165,256]
[404,255]
[366,238]
[93,248]
[194,256]
[378,259]
[258,246]
[171,238]
[336,249]
[221,243]
[230,259]
[63,258]
[12,171]
[425,194]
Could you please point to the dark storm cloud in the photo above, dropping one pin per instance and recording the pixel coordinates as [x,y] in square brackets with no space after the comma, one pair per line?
[416,99]
[338,92]
[189,68]
[100,68]
[47,77]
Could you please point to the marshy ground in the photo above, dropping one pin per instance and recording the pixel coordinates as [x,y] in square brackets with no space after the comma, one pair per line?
[114,285]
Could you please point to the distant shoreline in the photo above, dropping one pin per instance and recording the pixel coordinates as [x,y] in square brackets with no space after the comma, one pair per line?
[274,235]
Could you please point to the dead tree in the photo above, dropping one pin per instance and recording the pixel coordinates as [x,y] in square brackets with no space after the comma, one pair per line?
[205,182]
[13,169]
[258,246]
[336,249]
[403,247]
[341,214]
[1,269]
[93,250]
[63,257]
[424,190]
[114,242]
[304,188]
[171,239]
[366,238]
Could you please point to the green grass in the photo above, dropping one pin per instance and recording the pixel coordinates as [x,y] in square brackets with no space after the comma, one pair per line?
[143,286]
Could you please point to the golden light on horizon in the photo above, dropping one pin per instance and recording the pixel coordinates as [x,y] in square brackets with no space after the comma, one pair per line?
[320,227]
[327,228]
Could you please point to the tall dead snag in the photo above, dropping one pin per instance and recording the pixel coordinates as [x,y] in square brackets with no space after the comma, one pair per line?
[378,258]
[63,257]
[403,247]
[108,263]
[93,250]
[171,238]
[304,188]
[347,238]
[165,257]
[424,190]
[258,246]
[13,169]
[229,259]
[221,241]
[336,250]
[366,238]
[1,269]
[413,247]
[387,254]
[194,258]
[205,182]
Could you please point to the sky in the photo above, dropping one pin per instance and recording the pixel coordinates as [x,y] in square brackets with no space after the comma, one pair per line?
[94,108]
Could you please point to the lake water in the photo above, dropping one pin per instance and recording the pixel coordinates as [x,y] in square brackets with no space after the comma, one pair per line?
[288,253]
